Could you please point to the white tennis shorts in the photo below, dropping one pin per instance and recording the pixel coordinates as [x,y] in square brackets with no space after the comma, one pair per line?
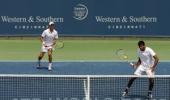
[142,69]
[45,49]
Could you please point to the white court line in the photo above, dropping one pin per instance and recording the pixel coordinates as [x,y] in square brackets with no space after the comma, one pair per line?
[80,76]
[74,61]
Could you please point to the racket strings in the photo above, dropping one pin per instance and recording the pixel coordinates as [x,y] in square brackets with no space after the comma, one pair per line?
[59,44]
[121,54]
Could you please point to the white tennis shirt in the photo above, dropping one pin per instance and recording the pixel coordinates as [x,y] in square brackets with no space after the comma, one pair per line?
[49,36]
[146,57]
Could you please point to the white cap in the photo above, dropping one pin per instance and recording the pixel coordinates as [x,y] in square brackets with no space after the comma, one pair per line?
[51,23]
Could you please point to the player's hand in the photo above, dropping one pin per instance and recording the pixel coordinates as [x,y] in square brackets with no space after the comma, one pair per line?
[131,64]
[152,69]
[43,43]
[53,47]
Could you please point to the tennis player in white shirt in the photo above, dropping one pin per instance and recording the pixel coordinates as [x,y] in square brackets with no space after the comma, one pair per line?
[48,39]
[146,63]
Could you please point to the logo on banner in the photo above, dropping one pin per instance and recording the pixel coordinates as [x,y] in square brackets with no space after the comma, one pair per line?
[80,12]
[35,22]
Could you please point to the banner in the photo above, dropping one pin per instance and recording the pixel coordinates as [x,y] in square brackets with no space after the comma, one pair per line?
[86,17]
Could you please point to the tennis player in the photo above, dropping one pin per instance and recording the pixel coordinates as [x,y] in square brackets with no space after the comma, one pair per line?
[147,62]
[48,39]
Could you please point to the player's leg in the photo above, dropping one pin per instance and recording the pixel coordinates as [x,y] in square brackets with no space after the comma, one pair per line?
[50,58]
[138,72]
[131,80]
[41,55]
[151,82]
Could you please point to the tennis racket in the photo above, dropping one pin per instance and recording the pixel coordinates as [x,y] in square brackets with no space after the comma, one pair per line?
[59,45]
[121,53]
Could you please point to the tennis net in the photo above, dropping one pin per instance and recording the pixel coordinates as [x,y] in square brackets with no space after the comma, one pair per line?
[79,87]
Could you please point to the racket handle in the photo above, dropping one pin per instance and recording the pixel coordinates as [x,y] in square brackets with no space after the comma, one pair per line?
[131,64]
[43,43]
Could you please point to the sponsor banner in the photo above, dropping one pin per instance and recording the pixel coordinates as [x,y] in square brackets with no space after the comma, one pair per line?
[90,17]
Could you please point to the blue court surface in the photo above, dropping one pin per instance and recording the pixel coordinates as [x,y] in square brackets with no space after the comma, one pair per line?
[77,68]
[46,85]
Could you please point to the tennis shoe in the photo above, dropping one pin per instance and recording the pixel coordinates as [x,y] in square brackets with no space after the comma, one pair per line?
[125,93]
[149,96]
[49,67]
[39,65]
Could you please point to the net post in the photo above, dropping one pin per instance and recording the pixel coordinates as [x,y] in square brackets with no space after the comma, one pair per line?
[88,87]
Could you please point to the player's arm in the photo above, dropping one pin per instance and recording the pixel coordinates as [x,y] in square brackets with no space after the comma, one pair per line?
[54,42]
[42,40]
[155,62]
[156,59]
[137,63]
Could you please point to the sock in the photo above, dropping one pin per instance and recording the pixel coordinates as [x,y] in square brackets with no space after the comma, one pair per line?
[149,92]
[49,65]
[126,90]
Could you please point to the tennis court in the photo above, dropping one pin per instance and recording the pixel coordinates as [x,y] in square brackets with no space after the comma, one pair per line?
[91,71]
[98,80]
[91,45]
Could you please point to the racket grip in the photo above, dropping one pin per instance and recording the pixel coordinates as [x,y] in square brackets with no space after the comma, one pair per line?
[131,64]
[43,43]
